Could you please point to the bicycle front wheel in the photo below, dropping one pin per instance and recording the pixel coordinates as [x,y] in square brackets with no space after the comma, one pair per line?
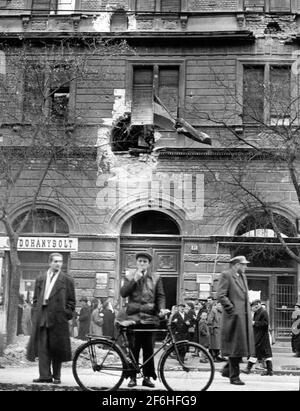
[98,365]
[196,372]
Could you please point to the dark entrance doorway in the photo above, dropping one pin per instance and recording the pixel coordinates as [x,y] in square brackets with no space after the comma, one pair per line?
[159,235]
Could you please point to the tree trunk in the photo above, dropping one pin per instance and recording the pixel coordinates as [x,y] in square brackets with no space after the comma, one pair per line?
[13,293]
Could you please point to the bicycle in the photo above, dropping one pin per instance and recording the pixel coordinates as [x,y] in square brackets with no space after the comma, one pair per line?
[102,364]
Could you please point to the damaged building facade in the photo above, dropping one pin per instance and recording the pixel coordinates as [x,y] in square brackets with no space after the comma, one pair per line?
[152,188]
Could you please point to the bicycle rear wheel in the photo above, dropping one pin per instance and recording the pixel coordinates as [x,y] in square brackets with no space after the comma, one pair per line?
[197,373]
[98,365]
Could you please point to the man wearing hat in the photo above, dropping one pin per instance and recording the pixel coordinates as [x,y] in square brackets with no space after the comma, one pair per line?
[146,300]
[236,326]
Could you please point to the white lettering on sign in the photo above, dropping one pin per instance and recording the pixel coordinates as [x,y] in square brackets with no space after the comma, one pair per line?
[168,190]
[42,244]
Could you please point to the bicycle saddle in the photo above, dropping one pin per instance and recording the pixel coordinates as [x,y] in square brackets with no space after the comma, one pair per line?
[126,323]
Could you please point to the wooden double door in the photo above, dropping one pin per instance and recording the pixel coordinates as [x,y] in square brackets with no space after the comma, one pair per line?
[165,262]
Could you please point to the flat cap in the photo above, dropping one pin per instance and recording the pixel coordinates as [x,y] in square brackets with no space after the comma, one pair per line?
[143,255]
[239,259]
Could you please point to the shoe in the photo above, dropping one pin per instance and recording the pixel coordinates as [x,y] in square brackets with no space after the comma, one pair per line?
[132,383]
[246,371]
[2,366]
[237,382]
[41,380]
[218,359]
[147,383]
[56,381]
[203,361]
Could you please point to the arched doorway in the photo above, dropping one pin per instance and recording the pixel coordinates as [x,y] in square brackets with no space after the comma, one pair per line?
[42,224]
[272,272]
[158,234]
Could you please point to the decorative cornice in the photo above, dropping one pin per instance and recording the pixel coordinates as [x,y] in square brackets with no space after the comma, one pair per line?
[206,258]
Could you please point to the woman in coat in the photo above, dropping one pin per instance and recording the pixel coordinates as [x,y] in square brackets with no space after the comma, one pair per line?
[84,319]
[108,319]
[214,323]
[97,320]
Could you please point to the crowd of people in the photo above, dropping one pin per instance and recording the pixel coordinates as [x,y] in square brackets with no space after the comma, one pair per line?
[199,322]
[95,317]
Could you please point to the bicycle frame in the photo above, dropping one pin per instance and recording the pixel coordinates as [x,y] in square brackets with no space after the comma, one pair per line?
[130,357]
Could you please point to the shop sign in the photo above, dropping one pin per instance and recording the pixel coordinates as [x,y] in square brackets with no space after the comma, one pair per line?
[42,243]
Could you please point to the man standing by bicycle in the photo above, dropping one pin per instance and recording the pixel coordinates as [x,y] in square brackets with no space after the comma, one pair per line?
[146,300]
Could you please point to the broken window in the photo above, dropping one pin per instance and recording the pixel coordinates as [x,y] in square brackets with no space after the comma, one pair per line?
[253,94]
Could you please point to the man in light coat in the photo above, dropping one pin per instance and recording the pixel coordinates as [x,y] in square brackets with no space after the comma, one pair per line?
[53,306]
[236,325]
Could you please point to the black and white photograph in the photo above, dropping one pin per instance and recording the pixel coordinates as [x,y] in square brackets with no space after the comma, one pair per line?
[149,198]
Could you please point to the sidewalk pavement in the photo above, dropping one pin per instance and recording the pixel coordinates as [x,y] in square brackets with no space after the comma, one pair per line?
[284,364]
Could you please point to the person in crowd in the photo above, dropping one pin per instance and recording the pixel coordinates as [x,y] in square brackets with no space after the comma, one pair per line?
[236,326]
[174,310]
[203,333]
[73,324]
[52,308]
[20,314]
[263,349]
[84,319]
[181,324]
[146,301]
[214,323]
[97,316]
[190,310]
[26,318]
[108,319]
[295,341]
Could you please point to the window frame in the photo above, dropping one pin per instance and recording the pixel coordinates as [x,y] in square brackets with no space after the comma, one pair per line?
[266,8]
[157,7]
[156,63]
[71,108]
[266,63]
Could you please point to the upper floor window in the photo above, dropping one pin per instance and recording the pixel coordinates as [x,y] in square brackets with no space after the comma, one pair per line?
[267,94]
[119,21]
[52,6]
[164,6]
[47,91]
[271,6]
[159,79]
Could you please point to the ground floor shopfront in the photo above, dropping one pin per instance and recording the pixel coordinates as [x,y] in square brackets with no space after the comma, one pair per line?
[189,267]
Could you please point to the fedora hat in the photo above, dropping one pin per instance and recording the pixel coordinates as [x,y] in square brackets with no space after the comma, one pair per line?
[143,255]
[239,259]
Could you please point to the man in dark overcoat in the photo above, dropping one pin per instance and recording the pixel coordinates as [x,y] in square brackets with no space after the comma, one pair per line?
[236,324]
[263,349]
[53,306]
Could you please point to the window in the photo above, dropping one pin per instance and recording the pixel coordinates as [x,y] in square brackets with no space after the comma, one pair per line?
[52,6]
[272,6]
[280,5]
[163,80]
[47,88]
[266,94]
[119,21]
[257,5]
[43,221]
[165,6]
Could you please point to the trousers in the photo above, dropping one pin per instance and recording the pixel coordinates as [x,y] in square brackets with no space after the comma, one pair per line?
[46,360]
